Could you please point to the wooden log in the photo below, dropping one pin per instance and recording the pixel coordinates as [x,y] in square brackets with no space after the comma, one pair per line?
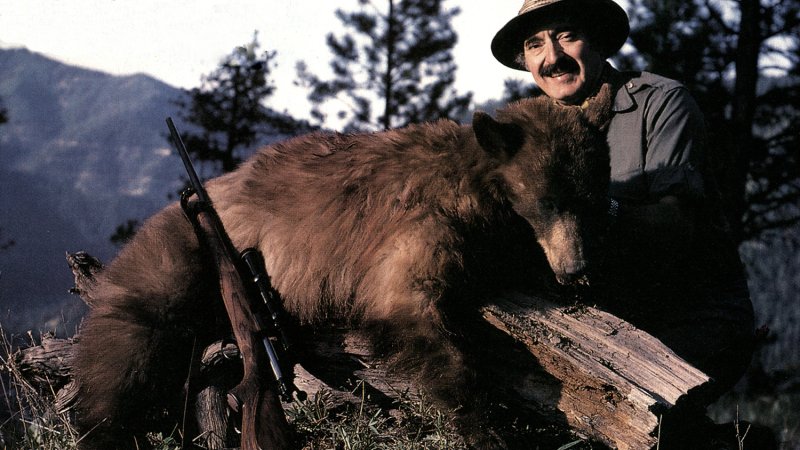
[46,364]
[84,267]
[220,370]
[574,366]
[590,370]
[615,380]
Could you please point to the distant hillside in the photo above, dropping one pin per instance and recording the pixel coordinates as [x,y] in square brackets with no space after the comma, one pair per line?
[83,151]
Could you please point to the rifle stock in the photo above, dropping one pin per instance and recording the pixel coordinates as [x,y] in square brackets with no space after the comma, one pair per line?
[264,426]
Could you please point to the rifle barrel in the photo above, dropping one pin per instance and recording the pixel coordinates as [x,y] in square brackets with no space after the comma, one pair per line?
[197,185]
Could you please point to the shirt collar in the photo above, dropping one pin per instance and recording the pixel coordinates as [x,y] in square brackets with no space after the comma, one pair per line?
[624,87]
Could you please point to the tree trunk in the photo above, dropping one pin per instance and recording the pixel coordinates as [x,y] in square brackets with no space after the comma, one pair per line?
[388,80]
[748,48]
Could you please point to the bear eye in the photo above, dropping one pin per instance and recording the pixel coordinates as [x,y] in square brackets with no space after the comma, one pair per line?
[547,204]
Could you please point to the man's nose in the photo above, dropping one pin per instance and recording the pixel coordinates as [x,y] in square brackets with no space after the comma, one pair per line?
[552,50]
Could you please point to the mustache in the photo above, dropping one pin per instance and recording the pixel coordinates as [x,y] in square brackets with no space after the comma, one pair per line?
[565,64]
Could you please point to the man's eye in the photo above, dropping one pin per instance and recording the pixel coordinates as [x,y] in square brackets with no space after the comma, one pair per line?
[530,45]
[566,36]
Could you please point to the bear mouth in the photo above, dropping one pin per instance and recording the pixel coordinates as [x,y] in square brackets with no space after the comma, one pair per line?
[581,279]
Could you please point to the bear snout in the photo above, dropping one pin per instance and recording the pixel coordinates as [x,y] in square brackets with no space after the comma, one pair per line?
[574,274]
[564,247]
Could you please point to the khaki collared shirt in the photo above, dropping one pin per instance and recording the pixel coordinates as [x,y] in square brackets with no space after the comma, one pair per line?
[655,139]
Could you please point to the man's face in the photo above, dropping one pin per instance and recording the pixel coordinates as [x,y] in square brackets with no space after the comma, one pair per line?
[563,64]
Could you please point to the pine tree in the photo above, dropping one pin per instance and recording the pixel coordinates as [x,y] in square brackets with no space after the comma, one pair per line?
[228,111]
[722,51]
[769,160]
[226,116]
[397,55]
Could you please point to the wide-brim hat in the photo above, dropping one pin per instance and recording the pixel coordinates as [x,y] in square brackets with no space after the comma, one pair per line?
[607,19]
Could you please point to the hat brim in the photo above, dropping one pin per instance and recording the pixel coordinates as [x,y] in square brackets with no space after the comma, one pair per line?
[509,41]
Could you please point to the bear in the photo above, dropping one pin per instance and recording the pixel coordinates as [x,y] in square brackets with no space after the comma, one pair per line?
[401,233]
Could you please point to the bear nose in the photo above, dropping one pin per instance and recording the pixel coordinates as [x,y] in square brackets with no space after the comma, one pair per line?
[574,274]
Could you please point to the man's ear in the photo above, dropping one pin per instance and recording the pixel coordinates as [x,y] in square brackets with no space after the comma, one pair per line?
[501,140]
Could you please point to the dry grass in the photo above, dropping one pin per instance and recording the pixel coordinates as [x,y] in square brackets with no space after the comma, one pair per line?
[413,425]
[28,414]
[778,411]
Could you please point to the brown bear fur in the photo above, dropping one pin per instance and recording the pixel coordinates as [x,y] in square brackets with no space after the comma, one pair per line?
[399,232]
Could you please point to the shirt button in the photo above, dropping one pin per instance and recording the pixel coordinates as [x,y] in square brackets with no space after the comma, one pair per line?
[630,85]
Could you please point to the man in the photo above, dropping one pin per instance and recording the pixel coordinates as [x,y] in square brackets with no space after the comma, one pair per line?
[670,266]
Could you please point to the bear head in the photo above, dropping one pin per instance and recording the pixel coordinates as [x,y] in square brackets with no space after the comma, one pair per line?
[553,167]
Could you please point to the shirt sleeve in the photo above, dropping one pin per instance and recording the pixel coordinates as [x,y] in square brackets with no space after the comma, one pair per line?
[674,147]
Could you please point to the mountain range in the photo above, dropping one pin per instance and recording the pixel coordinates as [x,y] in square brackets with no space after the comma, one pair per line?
[82,152]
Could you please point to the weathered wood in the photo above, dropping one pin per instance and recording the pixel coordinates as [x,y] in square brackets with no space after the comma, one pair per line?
[574,366]
[84,267]
[614,378]
[214,419]
[48,363]
[341,361]
[593,372]
[219,371]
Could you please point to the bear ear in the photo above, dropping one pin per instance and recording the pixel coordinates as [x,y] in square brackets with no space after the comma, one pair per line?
[502,140]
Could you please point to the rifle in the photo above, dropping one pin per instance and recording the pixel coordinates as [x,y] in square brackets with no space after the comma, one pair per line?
[264,425]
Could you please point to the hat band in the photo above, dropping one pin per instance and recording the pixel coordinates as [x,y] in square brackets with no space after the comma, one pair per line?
[536,4]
